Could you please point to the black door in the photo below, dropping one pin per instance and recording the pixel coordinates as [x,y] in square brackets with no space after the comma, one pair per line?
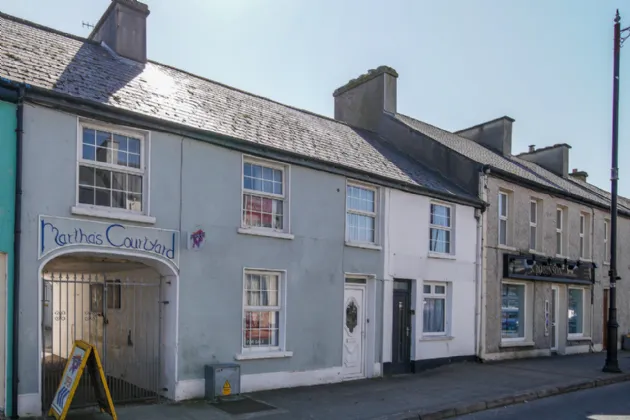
[401,329]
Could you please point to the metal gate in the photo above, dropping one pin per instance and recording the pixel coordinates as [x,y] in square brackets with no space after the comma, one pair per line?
[121,317]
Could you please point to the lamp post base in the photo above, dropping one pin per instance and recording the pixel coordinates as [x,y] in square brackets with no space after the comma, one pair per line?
[611,367]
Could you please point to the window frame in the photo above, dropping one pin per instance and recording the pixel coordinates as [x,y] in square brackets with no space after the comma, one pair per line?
[526,322]
[285,168]
[281,309]
[433,295]
[450,228]
[584,310]
[606,241]
[534,224]
[585,236]
[115,286]
[144,172]
[560,230]
[505,218]
[375,214]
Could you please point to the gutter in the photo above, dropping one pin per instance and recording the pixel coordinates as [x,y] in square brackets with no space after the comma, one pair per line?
[16,254]
[109,113]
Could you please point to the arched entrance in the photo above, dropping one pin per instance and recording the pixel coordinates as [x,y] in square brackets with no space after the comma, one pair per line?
[119,304]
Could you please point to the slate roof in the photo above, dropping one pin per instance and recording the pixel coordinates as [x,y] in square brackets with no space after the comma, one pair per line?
[511,164]
[72,65]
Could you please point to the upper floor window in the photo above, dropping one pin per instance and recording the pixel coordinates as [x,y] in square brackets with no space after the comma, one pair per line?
[585,235]
[440,229]
[360,213]
[606,241]
[264,195]
[560,231]
[503,218]
[111,169]
[533,224]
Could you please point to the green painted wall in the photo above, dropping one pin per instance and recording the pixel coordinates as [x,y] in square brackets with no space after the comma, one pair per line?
[7,216]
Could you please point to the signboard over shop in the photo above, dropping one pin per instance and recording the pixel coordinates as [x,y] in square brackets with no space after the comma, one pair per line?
[557,270]
[62,232]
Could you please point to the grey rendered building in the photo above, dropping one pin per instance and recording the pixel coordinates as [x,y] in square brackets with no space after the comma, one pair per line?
[175,222]
[545,233]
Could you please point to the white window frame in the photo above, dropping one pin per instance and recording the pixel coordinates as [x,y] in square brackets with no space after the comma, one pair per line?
[268,351]
[534,225]
[606,241]
[527,335]
[144,171]
[285,197]
[505,217]
[584,310]
[451,244]
[433,295]
[376,190]
[560,230]
[585,236]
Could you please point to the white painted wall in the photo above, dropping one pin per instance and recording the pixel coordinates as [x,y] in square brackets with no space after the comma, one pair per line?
[406,247]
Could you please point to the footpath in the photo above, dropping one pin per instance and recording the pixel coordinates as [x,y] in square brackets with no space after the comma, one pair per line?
[445,392]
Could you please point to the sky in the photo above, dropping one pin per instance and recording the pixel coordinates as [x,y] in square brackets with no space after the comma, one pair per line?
[547,64]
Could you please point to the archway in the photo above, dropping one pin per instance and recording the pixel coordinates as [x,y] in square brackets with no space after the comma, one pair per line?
[125,305]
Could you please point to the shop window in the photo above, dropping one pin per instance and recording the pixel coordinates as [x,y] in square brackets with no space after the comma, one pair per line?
[575,315]
[513,311]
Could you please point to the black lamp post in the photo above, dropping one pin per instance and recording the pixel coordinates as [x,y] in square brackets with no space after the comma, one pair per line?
[612,364]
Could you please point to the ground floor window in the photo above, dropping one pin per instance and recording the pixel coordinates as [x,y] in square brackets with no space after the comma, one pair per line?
[434,309]
[575,315]
[263,310]
[512,311]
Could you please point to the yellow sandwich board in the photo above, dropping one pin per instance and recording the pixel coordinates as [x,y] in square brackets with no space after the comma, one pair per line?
[83,355]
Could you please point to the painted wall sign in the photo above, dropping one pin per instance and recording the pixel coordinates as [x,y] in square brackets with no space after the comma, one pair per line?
[547,269]
[62,232]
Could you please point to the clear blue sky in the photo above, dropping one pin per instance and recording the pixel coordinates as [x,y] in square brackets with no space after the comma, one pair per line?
[547,64]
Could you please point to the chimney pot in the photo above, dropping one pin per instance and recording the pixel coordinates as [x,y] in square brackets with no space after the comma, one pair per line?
[532,148]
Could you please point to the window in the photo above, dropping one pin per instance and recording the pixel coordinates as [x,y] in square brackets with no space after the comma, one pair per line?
[512,311]
[559,231]
[503,218]
[575,311]
[585,236]
[606,244]
[111,169]
[264,196]
[114,296]
[360,213]
[533,225]
[434,309]
[440,229]
[263,310]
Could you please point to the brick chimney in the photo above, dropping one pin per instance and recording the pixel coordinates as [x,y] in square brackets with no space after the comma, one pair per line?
[553,158]
[581,175]
[123,27]
[495,135]
[362,101]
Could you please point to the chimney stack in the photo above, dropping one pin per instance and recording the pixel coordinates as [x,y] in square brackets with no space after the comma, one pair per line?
[581,175]
[123,28]
[362,101]
[553,158]
[495,135]
[532,148]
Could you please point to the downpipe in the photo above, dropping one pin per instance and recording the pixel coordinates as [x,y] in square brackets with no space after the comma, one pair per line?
[480,273]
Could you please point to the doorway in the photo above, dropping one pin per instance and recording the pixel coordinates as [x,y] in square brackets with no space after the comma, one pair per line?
[401,327]
[555,293]
[605,318]
[4,273]
[354,328]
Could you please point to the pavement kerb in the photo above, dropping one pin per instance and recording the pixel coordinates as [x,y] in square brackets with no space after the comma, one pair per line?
[527,396]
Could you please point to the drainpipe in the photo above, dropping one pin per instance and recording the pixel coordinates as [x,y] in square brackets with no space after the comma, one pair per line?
[480,273]
[16,254]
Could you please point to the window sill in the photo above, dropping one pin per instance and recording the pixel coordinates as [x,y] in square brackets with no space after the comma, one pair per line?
[518,343]
[269,234]
[108,214]
[507,247]
[364,245]
[606,263]
[436,338]
[561,256]
[263,355]
[441,256]
[579,338]
[533,251]
[585,260]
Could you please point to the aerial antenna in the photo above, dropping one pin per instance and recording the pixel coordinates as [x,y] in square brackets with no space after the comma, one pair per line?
[87,25]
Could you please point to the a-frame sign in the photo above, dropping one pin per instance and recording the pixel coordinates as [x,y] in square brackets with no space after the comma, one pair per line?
[83,355]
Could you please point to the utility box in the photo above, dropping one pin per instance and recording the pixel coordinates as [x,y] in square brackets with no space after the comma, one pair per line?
[222,380]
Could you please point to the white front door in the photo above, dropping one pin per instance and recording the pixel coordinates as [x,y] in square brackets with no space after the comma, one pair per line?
[354,331]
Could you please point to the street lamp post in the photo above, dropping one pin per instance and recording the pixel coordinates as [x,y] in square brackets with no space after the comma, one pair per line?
[612,364]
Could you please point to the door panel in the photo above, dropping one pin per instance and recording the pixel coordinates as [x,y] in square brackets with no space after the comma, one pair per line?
[554,319]
[354,331]
[401,328]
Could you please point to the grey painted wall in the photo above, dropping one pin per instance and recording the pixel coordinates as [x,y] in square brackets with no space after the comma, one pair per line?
[208,180]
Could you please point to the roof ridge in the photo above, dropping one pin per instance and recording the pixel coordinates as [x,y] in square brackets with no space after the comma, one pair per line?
[206,79]
[46,28]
